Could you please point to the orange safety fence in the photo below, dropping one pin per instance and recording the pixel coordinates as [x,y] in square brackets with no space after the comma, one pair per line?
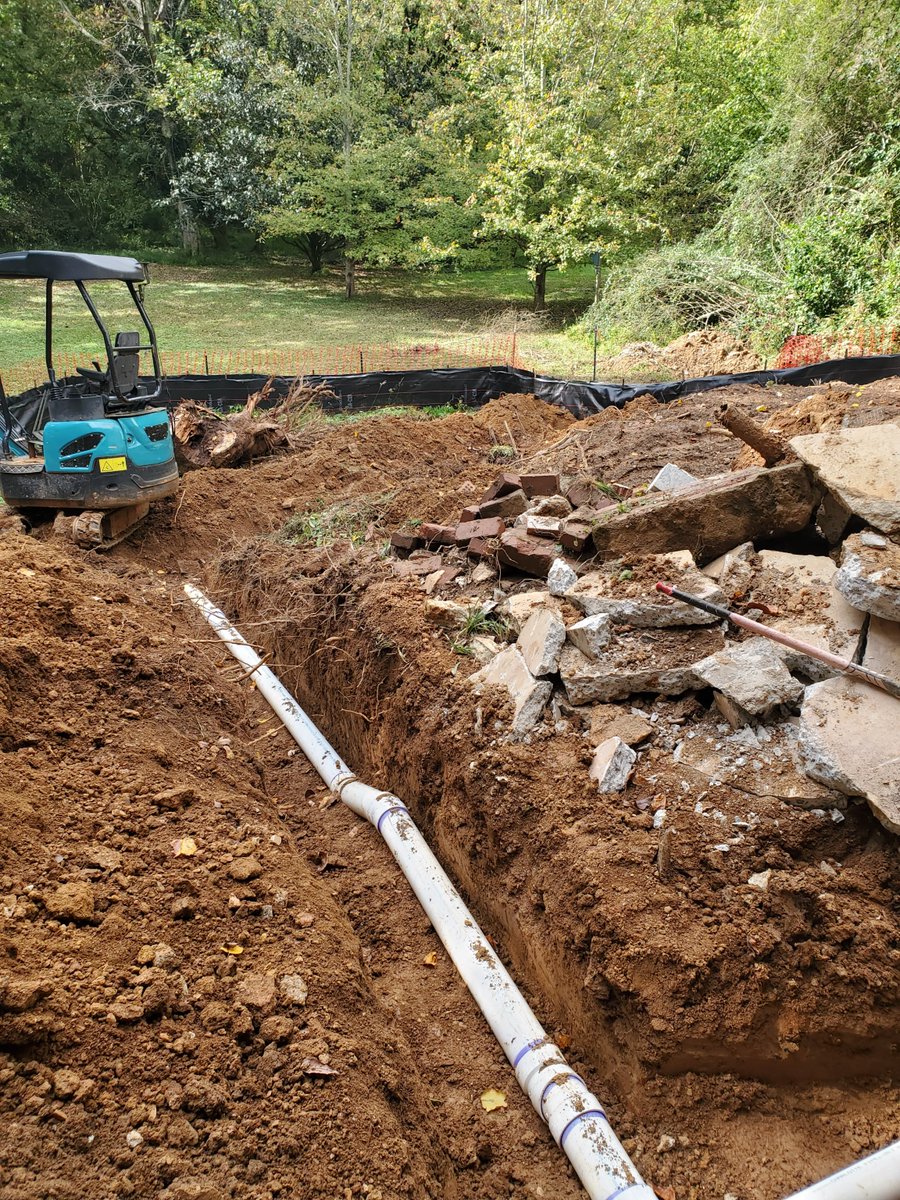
[803,349]
[319,360]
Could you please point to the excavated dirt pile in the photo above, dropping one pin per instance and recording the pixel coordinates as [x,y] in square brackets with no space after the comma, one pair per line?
[215,983]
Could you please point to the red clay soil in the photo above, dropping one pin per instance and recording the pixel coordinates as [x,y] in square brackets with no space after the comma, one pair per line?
[745,1041]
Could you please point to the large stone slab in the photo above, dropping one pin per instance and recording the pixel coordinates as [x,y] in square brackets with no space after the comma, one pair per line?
[850,741]
[860,467]
[751,674]
[712,517]
[633,600]
[645,660]
[529,695]
[869,577]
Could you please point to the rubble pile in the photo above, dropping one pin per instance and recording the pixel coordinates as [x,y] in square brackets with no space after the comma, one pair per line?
[810,547]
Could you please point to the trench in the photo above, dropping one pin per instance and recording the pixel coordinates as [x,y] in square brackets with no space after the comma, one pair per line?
[374,685]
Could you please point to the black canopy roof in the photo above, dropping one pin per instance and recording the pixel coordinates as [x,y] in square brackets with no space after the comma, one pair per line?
[58,264]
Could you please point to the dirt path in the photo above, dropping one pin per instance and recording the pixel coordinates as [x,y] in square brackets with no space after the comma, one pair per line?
[141,1055]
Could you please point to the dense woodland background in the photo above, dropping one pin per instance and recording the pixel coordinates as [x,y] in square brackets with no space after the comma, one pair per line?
[734,162]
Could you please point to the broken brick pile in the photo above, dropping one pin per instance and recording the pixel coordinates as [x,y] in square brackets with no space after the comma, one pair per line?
[771,721]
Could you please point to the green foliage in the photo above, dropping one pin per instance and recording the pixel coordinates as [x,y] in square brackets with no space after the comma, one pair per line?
[341,522]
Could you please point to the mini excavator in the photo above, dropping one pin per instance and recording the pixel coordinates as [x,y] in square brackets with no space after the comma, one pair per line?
[96,446]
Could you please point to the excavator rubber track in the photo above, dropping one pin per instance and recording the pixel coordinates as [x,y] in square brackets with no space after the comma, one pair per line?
[103,530]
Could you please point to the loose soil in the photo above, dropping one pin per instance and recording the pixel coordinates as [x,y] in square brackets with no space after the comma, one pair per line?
[154,1038]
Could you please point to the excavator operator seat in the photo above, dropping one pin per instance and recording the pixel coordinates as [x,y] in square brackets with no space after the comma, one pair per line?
[126,362]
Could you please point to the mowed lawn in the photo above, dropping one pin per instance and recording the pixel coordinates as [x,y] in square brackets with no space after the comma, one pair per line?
[265,307]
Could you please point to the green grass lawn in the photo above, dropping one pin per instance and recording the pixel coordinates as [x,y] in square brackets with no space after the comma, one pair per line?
[277,307]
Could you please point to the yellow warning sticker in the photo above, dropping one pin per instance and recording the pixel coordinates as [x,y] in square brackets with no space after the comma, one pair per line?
[113,464]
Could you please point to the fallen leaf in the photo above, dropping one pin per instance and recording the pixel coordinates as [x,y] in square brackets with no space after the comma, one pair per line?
[232,948]
[313,1066]
[491,1100]
[430,960]
[564,1041]
[184,847]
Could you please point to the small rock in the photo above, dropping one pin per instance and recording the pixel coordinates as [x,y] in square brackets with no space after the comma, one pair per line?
[256,991]
[591,635]
[203,1097]
[612,765]
[65,1083]
[445,612]
[21,995]
[760,880]
[666,1143]
[869,538]
[293,989]
[133,1139]
[671,478]
[561,578]
[276,1029]
[182,909]
[126,1011]
[242,870]
[71,902]
[542,527]
[215,1015]
[483,573]
[552,506]
[192,1187]
[484,648]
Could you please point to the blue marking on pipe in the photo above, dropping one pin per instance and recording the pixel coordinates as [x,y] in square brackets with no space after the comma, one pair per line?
[526,1048]
[591,1112]
[387,812]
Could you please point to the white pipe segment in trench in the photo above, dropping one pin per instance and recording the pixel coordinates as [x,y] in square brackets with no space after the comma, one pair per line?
[874,1178]
[573,1113]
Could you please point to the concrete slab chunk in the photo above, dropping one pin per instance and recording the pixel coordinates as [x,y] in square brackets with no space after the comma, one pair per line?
[561,577]
[640,660]
[614,720]
[869,577]
[509,671]
[518,608]
[751,674]
[591,635]
[635,602]
[671,478]
[541,640]
[711,517]
[612,765]
[860,467]
[849,741]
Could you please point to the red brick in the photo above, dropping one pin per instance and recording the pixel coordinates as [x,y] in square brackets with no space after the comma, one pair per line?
[442,535]
[575,534]
[483,548]
[527,554]
[491,527]
[540,485]
[471,513]
[403,543]
[502,486]
[509,505]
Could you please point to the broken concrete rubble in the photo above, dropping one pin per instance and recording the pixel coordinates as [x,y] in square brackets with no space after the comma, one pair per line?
[541,640]
[869,576]
[751,674]
[591,634]
[552,506]
[612,765]
[671,478]
[516,609]
[561,577]
[543,527]
[860,467]
[638,604]
[638,661]
[733,571]
[529,695]
[712,517]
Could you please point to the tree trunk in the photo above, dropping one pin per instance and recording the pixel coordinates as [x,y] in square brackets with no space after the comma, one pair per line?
[315,252]
[350,277]
[540,288]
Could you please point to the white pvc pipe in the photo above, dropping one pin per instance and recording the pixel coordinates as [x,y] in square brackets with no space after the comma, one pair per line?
[874,1178]
[573,1113]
